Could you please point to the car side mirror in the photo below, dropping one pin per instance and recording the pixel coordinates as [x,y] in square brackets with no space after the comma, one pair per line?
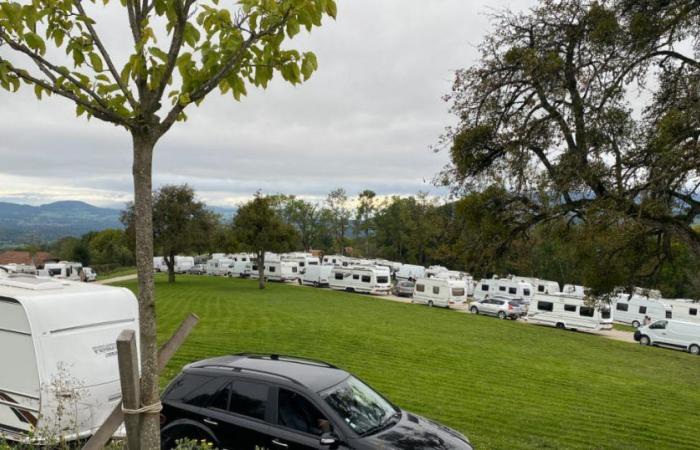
[330,440]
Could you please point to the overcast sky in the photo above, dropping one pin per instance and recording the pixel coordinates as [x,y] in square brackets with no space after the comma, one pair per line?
[366,119]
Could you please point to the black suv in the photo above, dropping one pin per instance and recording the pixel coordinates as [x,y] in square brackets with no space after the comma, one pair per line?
[261,402]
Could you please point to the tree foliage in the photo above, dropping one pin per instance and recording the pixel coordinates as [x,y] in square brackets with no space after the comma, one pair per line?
[548,125]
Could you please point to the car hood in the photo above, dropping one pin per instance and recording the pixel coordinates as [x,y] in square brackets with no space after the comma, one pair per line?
[414,432]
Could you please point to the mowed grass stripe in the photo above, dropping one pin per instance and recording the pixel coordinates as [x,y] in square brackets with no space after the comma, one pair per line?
[504,384]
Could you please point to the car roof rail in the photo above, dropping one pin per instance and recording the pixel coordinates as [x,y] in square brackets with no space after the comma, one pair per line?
[287,358]
[246,369]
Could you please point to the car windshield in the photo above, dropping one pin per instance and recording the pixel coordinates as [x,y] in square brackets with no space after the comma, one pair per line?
[364,410]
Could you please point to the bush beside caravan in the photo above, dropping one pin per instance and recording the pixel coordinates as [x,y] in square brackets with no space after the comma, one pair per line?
[58,347]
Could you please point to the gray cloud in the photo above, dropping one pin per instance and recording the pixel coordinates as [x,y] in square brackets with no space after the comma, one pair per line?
[366,119]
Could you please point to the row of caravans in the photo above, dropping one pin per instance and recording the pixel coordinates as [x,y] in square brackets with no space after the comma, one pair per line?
[64,270]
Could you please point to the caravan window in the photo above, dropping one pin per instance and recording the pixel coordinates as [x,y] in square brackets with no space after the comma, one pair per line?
[272,269]
[255,267]
[586,311]
[512,291]
[605,314]
[526,292]
[420,287]
[338,276]
[383,279]
[540,288]
[366,278]
[545,306]
[355,276]
[54,272]
[301,263]
[669,314]
[458,292]
[485,287]
[571,308]
[642,310]
[622,306]
[294,269]
[693,311]
[436,290]
[502,288]
[313,263]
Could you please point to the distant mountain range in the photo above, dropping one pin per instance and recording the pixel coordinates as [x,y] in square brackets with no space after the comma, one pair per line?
[21,224]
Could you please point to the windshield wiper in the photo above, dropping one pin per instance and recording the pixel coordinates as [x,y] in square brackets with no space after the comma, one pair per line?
[386,423]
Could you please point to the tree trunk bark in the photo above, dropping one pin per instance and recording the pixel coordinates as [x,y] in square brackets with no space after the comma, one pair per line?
[149,424]
[261,270]
[171,269]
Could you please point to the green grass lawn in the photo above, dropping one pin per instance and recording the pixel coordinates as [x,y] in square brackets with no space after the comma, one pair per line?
[504,384]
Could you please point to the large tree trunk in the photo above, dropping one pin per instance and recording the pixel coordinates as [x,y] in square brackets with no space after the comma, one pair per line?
[149,425]
[171,268]
[261,270]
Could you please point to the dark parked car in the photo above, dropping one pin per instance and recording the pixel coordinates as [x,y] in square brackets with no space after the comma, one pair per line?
[404,288]
[248,402]
[197,269]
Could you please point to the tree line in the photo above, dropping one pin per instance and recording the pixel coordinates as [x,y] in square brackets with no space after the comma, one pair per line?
[466,234]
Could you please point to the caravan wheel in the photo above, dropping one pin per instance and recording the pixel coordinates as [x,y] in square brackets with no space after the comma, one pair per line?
[635,323]
[694,350]
[315,284]
[430,303]
[561,326]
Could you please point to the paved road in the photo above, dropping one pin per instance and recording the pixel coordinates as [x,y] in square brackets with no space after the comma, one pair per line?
[117,279]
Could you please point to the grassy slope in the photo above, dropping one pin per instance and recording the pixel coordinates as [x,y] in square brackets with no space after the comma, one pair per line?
[504,384]
[120,272]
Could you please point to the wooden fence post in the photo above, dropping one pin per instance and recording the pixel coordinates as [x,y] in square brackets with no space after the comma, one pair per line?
[129,377]
[115,419]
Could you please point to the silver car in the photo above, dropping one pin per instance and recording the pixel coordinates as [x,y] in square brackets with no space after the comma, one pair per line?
[502,308]
[404,288]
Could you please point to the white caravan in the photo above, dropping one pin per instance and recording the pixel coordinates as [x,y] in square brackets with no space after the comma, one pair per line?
[317,275]
[683,309]
[159,264]
[62,270]
[219,267]
[183,263]
[334,259]
[574,289]
[503,287]
[364,279]
[59,374]
[632,311]
[410,272]
[19,268]
[433,271]
[568,311]
[440,292]
[276,270]
[540,286]
[303,260]
[671,333]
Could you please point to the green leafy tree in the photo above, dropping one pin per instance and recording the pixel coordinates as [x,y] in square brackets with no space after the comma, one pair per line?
[546,121]
[181,223]
[305,217]
[338,215]
[180,52]
[258,227]
[110,248]
[364,214]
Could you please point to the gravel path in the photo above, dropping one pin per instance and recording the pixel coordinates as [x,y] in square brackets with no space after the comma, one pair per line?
[117,279]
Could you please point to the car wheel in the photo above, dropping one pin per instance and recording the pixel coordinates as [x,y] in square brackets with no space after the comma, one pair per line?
[644,340]
[430,303]
[694,349]
[561,326]
[474,310]
[315,284]
[635,323]
[502,315]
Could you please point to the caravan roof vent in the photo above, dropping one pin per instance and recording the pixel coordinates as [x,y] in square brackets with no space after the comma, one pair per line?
[31,282]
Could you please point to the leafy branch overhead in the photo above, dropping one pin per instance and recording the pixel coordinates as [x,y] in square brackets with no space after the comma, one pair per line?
[182,50]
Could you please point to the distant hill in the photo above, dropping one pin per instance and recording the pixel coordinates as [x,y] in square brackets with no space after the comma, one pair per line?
[21,224]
